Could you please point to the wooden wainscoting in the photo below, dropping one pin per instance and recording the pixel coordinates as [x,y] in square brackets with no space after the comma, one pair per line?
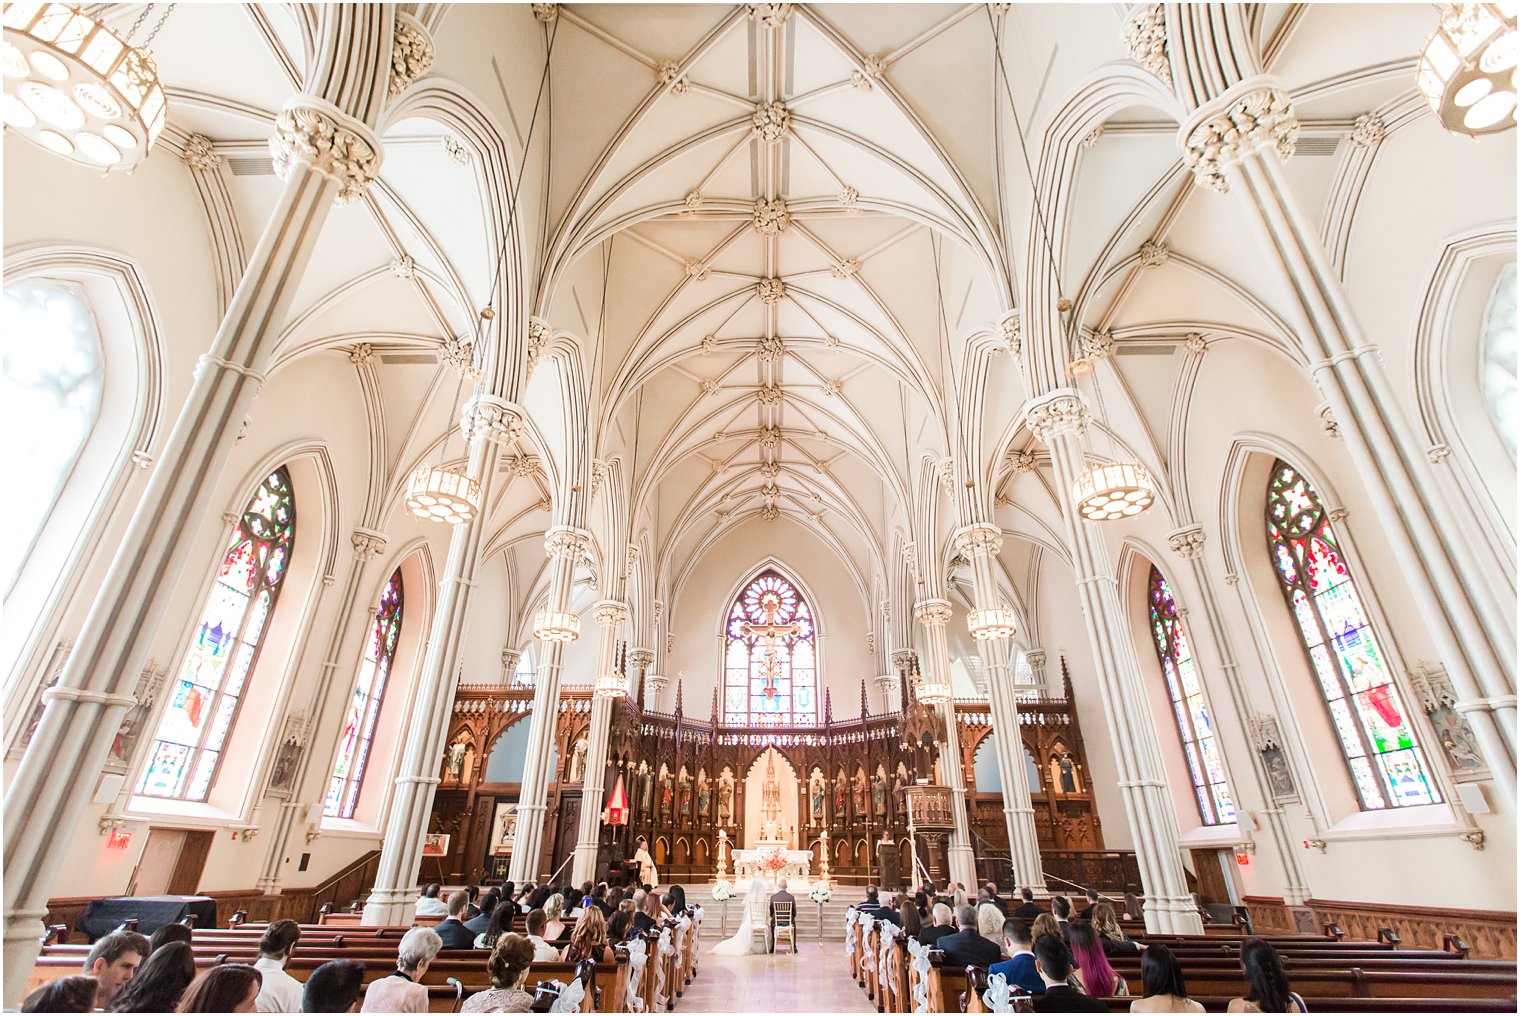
[1489,934]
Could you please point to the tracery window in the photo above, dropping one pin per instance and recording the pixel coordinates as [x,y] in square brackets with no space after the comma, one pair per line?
[771,658]
[53,377]
[1368,713]
[1195,725]
[1499,351]
[364,709]
[204,703]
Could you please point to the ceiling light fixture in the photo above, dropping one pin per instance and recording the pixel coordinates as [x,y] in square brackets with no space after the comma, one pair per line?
[1468,68]
[443,492]
[557,626]
[993,623]
[78,89]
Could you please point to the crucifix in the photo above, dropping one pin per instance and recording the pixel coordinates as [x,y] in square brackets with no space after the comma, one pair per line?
[770,633]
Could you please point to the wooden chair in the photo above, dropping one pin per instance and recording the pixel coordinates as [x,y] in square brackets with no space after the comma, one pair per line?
[785,924]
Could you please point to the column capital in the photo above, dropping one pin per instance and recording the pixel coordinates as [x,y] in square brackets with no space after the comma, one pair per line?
[979,539]
[1036,659]
[1187,541]
[567,542]
[932,613]
[1253,113]
[1008,327]
[609,613]
[493,417]
[1059,411]
[314,133]
[509,660]
[411,54]
[368,544]
[641,658]
[903,659]
[1144,34]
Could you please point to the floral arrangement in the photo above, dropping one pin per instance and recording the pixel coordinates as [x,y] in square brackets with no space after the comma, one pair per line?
[819,893]
[772,861]
[723,890]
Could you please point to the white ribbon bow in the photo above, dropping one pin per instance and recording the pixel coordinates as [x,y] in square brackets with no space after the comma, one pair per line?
[919,954]
[571,998]
[998,996]
[637,957]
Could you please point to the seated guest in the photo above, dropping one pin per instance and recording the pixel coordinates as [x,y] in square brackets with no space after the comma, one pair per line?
[1112,937]
[525,896]
[1046,924]
[502,919]
[600,900]
[75,993]
[944,924]
[230,987]
[1134,905]
[907,917]
[621,928]
[1161,980]
[402,990]
[1098,976]
[335,986]
[112,961]
[472,911]
[783,897]
[1266,980]
[995,899]
[989,922]
[451,930]
[958,896]
[921,904]
[1060,907]
[873,906]
[554,911]
[159,982]
[1028,910]
[542,950]
[280,992]
[169,933]
[677,897]
[480,922]
[1019,966]
[648,913]
[589,939]
[1053,962]
[508,967]
[428,904]
[1092,901]
[967,948]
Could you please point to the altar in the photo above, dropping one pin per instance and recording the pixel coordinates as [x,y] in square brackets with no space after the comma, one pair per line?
[770,860]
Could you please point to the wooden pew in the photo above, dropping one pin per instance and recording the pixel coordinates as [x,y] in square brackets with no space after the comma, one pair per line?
[892,976]
[870,960]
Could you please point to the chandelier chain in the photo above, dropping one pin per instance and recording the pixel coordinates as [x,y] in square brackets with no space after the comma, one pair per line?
[141,17]
[156,28]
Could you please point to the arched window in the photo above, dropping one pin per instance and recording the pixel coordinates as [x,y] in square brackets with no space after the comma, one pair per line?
[204,703]
[771,661]
[1386,763]
[364,710]
[1498,353]
[54,373]
[1195,726]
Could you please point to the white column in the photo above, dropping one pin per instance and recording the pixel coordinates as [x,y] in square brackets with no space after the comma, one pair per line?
[327,154]
[1236,142]
[488,422]
[1059,419]
[566,547]
[934,615]
[980,544]
[610,616]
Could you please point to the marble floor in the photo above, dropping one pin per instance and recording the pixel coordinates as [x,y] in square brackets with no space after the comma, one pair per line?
[817,979]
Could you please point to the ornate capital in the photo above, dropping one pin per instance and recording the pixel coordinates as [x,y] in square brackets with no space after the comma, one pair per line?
[1008,326]
[903,659]
[491,416]
[1187,542]
[610,613]
[886,684]
[509,660]
[932,613]
[368,544]
[316,134]
[539,333]
[1248,116]
[200,153]
[1327,421]
[771,121]
[771,217]
[1036,659]
[1145,39]
[411,53]
[979,538]
[1062,411]
[567,542]
[1096,345]
[640,659]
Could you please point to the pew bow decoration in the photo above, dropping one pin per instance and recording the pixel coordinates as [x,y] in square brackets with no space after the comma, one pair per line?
[997,996]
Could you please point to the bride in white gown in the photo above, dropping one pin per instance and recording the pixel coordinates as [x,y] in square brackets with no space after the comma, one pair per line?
[744,941]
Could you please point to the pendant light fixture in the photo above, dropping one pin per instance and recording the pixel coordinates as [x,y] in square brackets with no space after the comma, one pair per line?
[992,623]
[1468,68]
[77,88]
[443,492]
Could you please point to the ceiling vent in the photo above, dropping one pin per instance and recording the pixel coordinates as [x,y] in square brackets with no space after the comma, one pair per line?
[1145,348]
[251,165]
[1317,146]
[409,358]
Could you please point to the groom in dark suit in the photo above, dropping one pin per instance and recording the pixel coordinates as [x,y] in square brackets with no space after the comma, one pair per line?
[779,896]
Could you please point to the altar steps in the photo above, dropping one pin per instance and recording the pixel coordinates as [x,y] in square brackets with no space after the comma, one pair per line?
[807,914]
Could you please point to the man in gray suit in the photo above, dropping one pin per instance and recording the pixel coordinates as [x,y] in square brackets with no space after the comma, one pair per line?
[780,896]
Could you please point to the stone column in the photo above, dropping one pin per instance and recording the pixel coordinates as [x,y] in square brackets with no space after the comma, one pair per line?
[488,422]
[1059,419]
[1187,543]
[980,544]
[1236,142]
[934,615]
[886,687]
[610,616]
[566,546]
[323,153]
[509,660]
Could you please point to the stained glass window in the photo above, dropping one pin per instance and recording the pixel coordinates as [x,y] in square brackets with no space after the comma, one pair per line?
[204,702]
[1386,762]
[770,663]
[1195,725]
[1499,352]
[364,708]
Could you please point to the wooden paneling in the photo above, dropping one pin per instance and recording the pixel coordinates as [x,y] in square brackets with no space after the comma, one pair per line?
[1489,934]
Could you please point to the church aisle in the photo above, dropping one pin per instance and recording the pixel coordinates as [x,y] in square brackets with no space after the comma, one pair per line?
[817,979]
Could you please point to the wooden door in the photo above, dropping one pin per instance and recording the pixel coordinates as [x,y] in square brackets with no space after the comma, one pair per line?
[566,831]
[1211,884]
[186,880]
[172,863]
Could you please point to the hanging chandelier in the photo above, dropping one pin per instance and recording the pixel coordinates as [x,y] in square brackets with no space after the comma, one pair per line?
[1113,490]
[442,494]
[995,623]
[612,686]
[933,692]
[556,626]
[1468,68]
[77,89]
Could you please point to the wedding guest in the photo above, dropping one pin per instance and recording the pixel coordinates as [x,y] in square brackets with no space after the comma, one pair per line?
[589,939]
[451,930]
[621,928]
[599,900]
[508,967]
[1028,910]
[1092,901]
[989,921]
[1060,907]
[402,990]
[921,903]
[113,960]
[472,911]
[280,992]
[160,981]
[554,911]
[502,919]
[335,986]
[907,916]
[230,987]
[75,993]
[175,932]
[1162,985]
[995,899]
[967,947]
[944,924]
[783,897]
[1098,976]
[1266,980]
[1046,924]
[478,924]
[1112,937]
[677,897]
[543,950]
[1053,962]
[428,903]
[1019,966]
[1134,905]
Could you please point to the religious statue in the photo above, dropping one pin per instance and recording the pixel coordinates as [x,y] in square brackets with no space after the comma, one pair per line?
[646,786]
[858,792]
[578,761]
[1068,775]
[839,783]
[453,758]
[284,769]
[899,783]
[667,796]
[815,797]
[685,781]
[770,801]
[879,792]
[725,797]
[704,793]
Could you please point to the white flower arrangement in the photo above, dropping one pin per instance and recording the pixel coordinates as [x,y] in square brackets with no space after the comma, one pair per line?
[819,893]
[723,890]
